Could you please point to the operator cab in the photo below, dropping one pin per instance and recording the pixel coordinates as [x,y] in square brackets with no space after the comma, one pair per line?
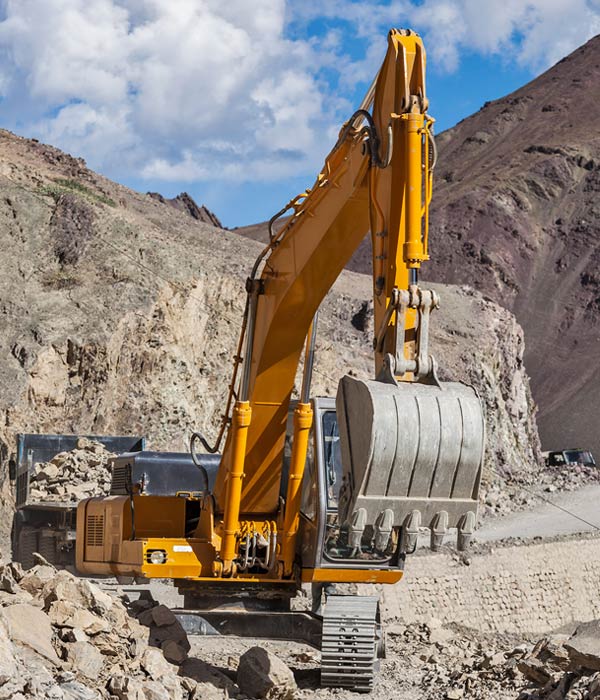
[325,541]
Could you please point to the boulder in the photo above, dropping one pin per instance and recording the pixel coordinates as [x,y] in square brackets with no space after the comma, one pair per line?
[261,674]
[207,691]
[206,675]
[42,683]
[64,613]
[80,592]
[73,690]
[31,627]
[85,659]
[153,690]
[155,664]
[19,596]
[125,688]
[584,646]
[172,685]
[164,627]
[36,578]
[174,653]
[162,616]
[8,664]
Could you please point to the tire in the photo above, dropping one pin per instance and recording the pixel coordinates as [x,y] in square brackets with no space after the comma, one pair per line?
[47,547]
[27,544]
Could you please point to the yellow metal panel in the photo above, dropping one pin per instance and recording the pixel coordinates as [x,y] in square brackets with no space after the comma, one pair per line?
[157,516]
[350,576]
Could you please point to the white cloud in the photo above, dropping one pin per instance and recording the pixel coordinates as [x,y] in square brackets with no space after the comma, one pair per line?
[156,87]
[197,90]
[531,33]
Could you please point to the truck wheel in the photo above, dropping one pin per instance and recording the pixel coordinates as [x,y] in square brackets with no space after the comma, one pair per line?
[27,544]
[47,547]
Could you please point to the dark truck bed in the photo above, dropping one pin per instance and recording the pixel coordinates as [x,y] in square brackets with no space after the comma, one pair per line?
[49,527]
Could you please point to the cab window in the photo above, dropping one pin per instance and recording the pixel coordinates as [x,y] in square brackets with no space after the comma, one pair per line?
[310,496]
[332,458]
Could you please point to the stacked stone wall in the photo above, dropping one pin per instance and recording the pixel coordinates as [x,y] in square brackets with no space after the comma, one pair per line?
[530,588]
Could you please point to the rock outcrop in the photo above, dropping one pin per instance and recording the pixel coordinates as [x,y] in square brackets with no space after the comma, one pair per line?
[186,203]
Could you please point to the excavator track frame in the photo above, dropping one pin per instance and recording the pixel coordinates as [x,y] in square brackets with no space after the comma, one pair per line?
[351,642]
[348,633]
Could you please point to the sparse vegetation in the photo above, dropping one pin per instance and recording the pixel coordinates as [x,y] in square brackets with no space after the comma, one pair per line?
[63,186]
[59,278]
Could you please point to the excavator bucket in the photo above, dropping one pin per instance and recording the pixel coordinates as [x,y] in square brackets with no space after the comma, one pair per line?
[412,456]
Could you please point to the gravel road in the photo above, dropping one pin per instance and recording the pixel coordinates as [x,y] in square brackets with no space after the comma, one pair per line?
[564,514]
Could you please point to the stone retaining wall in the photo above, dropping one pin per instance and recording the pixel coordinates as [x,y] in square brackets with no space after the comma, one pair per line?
[527,588]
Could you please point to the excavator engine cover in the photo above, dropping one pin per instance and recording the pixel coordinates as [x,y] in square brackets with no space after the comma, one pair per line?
[413,449]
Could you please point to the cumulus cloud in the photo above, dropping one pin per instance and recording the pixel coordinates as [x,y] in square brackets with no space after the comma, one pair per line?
[531,33]
[174,90]
[204,90]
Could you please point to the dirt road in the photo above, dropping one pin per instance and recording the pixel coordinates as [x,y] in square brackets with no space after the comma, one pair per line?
[562,514]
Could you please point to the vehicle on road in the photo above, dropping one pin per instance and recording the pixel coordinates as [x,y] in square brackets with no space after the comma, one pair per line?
[560,458]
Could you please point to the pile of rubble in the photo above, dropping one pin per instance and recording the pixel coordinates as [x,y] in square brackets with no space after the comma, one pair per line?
[565,667]
[458,663]
[498,498]
[503,496]
[72,476]
[63,638]
[568,478]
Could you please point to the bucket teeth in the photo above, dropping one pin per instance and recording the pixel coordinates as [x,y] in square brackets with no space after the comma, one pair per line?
[357,527]
[410,532]
[439,528]
[465,530]
[383,529]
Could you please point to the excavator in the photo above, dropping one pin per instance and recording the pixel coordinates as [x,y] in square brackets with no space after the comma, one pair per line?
[322,491]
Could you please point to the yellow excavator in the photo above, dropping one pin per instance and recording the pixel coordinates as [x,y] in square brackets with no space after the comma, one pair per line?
[322,491]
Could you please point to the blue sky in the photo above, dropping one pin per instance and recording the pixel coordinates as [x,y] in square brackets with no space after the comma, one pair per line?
[237,103]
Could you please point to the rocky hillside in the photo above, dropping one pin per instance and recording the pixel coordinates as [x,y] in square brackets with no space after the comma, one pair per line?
[121,315]
[185,203]
[516,214]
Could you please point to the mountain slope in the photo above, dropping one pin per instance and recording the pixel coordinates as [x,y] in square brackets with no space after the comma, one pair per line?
[516,215]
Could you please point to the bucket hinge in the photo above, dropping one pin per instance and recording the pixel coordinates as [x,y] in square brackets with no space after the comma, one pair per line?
[423,366]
